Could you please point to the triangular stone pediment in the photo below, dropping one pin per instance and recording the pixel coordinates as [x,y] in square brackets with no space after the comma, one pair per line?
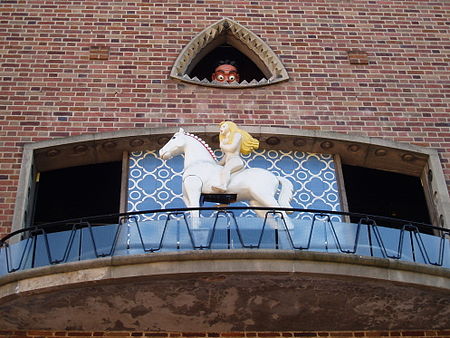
[230,33]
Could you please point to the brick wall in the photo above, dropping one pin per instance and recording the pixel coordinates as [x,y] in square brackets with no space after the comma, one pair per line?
[118,334]
[74,67]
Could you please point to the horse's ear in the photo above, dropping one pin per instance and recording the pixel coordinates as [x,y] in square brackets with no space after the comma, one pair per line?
[181,130]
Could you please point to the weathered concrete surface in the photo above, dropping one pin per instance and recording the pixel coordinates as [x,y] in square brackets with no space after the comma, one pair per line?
[231,291]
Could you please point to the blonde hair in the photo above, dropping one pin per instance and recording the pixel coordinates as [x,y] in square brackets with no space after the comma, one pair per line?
[248,143]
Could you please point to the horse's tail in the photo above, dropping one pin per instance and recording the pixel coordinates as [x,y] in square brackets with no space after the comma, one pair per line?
[287,190]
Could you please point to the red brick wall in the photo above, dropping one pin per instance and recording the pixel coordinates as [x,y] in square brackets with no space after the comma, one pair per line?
[50,87]
[118,334]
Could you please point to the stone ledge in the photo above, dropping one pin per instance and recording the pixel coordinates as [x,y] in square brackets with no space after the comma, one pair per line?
[222,261]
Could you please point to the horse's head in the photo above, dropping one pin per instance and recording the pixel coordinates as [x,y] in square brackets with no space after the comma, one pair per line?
[174,146]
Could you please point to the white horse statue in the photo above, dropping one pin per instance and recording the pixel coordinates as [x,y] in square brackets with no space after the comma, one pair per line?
[201,171]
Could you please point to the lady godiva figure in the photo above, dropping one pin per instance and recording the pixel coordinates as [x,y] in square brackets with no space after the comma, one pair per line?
[233,142]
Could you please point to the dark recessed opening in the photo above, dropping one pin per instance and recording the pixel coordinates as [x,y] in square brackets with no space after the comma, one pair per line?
[383,193]
[79,192]
[247,68]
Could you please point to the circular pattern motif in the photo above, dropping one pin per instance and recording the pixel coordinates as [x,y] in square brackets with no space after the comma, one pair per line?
[137,142]
[273,141]
[408,157]
[299,142]
[353,148]
[53,153]
[81,148]
[326,145]
[108,145]
[380,152]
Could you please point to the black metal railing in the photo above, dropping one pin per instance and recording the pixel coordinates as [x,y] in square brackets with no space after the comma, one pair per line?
[224,228]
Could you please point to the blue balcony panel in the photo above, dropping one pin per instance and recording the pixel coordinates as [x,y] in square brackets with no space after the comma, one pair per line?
[173,232]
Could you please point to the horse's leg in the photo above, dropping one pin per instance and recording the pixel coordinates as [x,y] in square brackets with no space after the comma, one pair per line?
[262,200]
[192,188]
[260,213]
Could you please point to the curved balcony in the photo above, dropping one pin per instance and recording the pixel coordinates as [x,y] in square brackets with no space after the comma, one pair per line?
[224,228]
[227,271]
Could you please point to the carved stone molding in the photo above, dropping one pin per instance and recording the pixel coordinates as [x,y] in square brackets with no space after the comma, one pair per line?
[234,34]
[372,153]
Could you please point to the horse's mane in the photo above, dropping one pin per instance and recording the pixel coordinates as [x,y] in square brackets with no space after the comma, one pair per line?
[206,145]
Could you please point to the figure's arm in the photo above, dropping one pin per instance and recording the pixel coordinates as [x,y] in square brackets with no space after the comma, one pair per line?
[233,146]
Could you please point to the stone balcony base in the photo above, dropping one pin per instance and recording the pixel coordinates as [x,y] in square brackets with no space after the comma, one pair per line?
[237,290]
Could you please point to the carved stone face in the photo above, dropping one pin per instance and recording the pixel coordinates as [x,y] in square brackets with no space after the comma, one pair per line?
[225,73]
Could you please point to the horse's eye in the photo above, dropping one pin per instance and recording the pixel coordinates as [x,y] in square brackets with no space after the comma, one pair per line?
[174,137]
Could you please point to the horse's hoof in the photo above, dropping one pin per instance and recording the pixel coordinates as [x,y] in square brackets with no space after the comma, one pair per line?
[221,189]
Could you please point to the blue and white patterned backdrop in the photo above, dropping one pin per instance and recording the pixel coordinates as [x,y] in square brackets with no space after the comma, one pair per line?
[156,184]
